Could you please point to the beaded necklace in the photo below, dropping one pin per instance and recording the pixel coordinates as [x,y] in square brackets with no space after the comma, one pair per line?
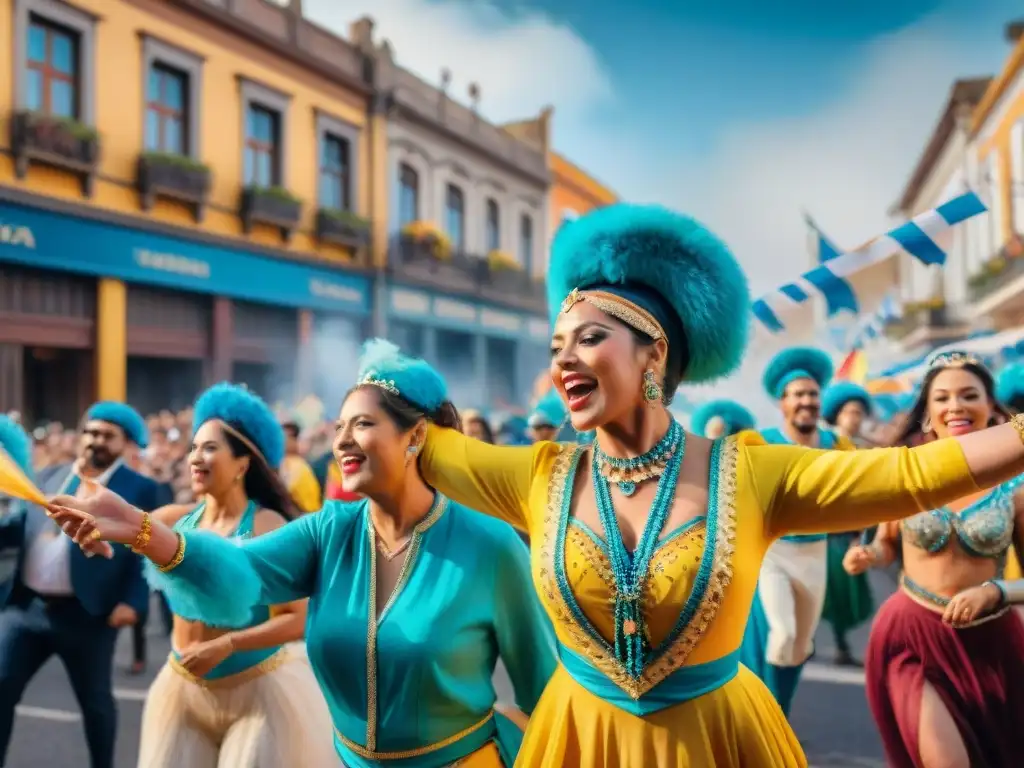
[629,473]
[630,571]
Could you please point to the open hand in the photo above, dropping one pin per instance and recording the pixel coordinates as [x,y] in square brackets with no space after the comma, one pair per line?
[858,559]
[97,517]
[972,604]
[201,658]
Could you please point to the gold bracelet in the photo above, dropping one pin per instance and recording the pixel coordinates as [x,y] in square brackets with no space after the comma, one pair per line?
[142,538]
[1017,422]
[179,555]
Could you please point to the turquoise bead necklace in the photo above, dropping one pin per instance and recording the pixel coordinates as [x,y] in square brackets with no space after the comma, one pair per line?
[630,571]
[628,473]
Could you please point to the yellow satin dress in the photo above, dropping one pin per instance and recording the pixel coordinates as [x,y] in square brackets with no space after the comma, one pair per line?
[699,590]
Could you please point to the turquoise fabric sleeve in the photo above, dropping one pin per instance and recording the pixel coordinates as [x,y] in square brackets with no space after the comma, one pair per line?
[526,640]
[508,738]
[220,581]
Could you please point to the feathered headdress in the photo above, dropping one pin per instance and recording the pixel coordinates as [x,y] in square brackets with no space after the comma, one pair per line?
[549,411]
[123,416]
[383,365]
[736,417]
[244,412]
[1010,384]
[796,363]
[16,442]
[839,394]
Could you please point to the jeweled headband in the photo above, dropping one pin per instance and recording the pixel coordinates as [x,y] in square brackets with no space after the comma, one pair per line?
[617,306]
[242,438]
[955,360]
[388,385]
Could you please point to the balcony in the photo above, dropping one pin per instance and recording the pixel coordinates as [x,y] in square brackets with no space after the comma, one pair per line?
[926,322]
[998,286]
[423,263]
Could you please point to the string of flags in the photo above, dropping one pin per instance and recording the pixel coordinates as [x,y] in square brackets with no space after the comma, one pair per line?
[916,237]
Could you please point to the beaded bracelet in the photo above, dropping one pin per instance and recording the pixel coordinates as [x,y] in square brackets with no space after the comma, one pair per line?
[179,555]
[144,534]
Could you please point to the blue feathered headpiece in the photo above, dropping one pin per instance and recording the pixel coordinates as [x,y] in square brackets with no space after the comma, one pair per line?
[796,363]
[1010,383]
[671,255]
[124,416]
[383,365]
[736,417]
[549,411]
[16,442]
[839,394]
[245,410]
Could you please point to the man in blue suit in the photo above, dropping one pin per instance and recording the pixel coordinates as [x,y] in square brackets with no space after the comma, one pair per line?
[60,602]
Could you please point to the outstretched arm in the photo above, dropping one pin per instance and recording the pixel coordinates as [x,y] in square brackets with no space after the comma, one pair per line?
[809,491]
[489,478]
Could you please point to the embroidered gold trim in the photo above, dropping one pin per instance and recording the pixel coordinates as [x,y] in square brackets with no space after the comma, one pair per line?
[372,754]
[616,306]
[721,571]
[721,575]
[373,620]
[266,666]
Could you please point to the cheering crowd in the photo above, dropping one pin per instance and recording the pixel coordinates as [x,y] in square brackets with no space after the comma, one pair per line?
[343,591]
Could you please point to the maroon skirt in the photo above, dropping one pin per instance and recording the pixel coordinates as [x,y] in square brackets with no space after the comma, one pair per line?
[978,673]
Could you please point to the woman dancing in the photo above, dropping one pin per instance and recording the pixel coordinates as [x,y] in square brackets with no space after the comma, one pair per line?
[1010,392]
[647,545]
[720,418]
[413,598]
[239,695]
[848,602]
[941,695]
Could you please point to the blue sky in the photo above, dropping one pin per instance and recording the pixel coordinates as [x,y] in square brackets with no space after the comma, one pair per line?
[741,113]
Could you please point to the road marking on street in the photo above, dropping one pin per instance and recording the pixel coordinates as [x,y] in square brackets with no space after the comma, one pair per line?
[63,716]
[822,673]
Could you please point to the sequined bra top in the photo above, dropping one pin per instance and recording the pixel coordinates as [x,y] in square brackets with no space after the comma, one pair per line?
[984,527]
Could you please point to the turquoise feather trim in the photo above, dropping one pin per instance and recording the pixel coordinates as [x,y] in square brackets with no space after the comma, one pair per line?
[796,363]
[16,442]
[416,381]
[1010,383]
[736,417]
[839,394]
[236,404]
[124,416]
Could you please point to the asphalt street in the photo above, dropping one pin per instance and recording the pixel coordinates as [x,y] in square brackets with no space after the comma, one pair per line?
[830,713]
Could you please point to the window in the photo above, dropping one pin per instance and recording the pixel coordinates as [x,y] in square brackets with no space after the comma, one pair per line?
[455,218]
[51,70]
[335,183]
[173,79]
[493,226]
[262,147]
[408,195]
[264,135]
[526,242]
[167,110]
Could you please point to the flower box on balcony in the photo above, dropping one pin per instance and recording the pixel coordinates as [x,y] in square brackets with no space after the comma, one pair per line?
[429,238]
[55,141]
[499,261]
[274,206]
[177,177]
[342,228]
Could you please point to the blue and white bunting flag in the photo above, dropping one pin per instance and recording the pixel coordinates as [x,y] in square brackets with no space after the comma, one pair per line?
[916,237]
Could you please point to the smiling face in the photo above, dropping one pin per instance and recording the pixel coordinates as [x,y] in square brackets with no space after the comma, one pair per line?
[102,443]
[801,405]
[958,403]
[213,466]
[598,365]
[370,448]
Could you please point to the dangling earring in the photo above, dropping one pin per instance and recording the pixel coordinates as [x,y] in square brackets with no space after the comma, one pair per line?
[411,453]
[926,425]
[652,389]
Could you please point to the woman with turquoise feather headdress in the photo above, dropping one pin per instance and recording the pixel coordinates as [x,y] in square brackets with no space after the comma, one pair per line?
[720,418]
[232,693]
[413,597]
[647,543]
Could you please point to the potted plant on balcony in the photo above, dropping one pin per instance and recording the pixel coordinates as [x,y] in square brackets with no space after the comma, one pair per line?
[57,141]
[176,176]
[275,206]
[342,227]
[504,272]
[428,239]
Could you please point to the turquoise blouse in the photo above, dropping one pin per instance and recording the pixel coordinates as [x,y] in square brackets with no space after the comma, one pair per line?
[414,686]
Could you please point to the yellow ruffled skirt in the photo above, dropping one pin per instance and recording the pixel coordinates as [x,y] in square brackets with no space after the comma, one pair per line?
[736,726]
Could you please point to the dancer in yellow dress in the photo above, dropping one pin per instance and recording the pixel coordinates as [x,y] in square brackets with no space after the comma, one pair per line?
[650,613]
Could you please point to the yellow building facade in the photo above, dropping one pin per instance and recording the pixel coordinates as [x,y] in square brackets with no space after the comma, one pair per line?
[187,194]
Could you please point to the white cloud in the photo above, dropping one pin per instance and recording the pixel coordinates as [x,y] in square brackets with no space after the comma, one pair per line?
[845,163]
[522,61]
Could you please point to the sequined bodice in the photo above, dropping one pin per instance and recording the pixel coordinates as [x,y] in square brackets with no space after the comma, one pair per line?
[984,528]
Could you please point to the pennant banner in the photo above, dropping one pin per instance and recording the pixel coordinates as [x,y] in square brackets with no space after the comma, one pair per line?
[916,237]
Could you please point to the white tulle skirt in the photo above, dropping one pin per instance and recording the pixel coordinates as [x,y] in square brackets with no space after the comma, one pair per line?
[270,716]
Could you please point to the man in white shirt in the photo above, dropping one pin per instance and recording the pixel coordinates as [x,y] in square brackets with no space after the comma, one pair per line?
[60,602]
